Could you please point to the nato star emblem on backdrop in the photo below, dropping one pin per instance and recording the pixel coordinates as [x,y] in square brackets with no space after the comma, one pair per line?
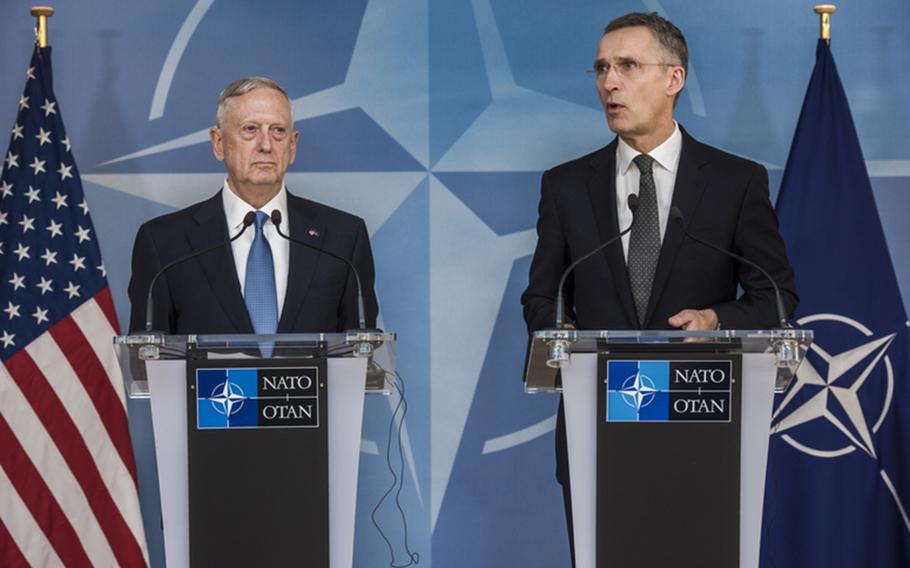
[834,397]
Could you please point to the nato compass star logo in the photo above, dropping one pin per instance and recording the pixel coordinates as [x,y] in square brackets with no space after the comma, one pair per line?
[832,399]
[227,398]
[638,391]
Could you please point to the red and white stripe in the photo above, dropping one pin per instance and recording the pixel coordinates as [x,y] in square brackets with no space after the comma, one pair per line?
[68,491]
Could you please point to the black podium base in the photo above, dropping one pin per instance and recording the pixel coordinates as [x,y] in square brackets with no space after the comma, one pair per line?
[258,463]
[668,460]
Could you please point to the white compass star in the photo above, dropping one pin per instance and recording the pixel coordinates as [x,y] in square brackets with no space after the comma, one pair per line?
[3,220]
[6,189]
[639,390]
[84,206]
[229,396]
[17,131]
[817,406]
[7,339]
[66,142]
[30,73]
[23,102]
[12,160]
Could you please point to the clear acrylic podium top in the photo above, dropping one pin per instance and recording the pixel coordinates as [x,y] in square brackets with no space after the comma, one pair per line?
[550,349]
[378,347]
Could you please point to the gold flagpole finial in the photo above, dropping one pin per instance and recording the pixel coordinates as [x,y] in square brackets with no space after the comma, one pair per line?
[42,13]
[825,11]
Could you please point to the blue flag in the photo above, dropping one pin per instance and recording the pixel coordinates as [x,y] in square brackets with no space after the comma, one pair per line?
[838,486]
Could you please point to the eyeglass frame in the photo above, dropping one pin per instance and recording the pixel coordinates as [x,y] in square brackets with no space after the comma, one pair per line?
[598,74]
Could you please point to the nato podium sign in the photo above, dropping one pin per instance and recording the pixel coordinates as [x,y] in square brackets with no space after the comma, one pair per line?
[667,433]
[246,444]
[258,449]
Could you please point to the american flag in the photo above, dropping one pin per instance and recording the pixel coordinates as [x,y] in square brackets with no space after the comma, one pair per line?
[68,490]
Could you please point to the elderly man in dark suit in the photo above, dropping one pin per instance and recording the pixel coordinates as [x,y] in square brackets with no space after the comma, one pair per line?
[261,282]
[654,278]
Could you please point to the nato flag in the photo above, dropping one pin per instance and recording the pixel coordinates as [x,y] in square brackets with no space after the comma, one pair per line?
[838,486]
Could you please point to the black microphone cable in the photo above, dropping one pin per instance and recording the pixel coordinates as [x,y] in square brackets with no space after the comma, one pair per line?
[633,202]
[248,220]
[397,477]
[677,216]
[361,312]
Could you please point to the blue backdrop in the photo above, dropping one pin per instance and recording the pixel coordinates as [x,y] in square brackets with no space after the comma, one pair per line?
[433,120]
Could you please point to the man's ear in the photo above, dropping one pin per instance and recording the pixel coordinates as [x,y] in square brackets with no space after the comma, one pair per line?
[295,136]
[677,80]
[217,148]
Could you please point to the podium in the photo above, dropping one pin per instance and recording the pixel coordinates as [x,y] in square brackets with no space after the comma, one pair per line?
[667,436]
[258,454]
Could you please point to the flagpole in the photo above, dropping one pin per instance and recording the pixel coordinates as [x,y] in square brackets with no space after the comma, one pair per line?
[42,13]
[825,11]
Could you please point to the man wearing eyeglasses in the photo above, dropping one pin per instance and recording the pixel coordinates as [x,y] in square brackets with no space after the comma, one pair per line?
[655,278]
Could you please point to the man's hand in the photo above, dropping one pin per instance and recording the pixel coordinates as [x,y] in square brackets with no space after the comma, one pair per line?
[695,320]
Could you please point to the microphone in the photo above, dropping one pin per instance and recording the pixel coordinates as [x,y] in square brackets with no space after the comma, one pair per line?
[248,220]
[676,215]
[560,301]
[361,312]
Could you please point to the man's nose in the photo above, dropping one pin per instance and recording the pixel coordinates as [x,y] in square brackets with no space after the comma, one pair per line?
[610,80]
[264,141]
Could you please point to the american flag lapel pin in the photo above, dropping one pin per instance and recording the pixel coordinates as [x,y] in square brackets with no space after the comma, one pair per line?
[313,232]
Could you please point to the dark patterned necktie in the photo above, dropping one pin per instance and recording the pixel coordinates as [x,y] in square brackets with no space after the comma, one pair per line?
[644,242]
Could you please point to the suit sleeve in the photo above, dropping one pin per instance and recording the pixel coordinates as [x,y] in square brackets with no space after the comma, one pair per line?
[551,257]
[146,262]
[362,258]
[757,238]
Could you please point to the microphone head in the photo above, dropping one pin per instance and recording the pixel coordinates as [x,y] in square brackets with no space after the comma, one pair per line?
[676,215]
[249,219]
[633,202]
[276,217]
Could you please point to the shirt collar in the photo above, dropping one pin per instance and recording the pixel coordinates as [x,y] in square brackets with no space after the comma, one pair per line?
[666,155]
[235,209]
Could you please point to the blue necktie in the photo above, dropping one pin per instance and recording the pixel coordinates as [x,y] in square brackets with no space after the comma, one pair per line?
[260,295]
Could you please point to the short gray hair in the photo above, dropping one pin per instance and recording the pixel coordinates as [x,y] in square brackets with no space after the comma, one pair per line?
[241,87]
[668,36]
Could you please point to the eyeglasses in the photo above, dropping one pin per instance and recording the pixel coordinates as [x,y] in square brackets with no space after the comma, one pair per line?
[625,68]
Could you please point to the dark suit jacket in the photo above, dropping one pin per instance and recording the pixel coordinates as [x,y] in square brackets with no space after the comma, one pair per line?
[725,201]
[203,295]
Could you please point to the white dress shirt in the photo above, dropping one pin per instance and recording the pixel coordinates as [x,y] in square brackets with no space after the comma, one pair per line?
[235,209]
[666,162]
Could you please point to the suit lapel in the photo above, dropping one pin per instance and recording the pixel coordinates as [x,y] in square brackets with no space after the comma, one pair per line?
[602,193]
[218,265]
[306,225]
[687,191]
